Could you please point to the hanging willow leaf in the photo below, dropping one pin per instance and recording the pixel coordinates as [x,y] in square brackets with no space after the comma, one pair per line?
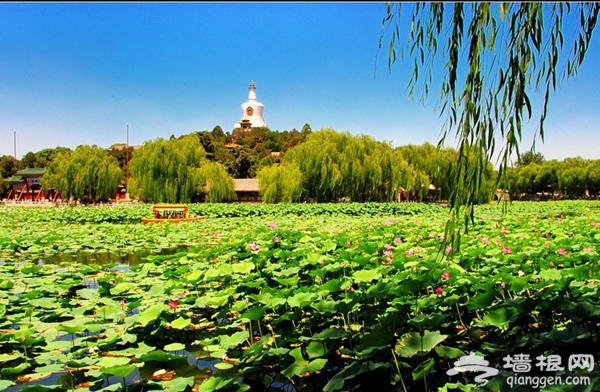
[509,49]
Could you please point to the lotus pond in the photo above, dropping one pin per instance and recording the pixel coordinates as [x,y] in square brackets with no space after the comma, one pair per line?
[330,297]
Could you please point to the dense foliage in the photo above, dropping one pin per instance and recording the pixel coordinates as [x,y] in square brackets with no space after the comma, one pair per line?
[283,179]
[320,300]
[338,166]
[493,57]
[88,173]
[569,178]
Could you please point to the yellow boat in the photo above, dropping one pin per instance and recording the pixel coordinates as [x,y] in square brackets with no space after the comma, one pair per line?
[171,213]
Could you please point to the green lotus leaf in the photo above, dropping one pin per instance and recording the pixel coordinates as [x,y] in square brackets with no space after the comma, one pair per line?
[160,356]
[424,369]
[223,366]
[331,286]
[325,306]
[151,314]
[301,299]
[9,357]
[58,345]
[254,314]
[112,361]
[123,287]
[194,276]
[42,388]
[4,384]
[231,341]
[315,349]
[550,274]
[112,387]
[215,301]
[413,343]
[156,291]
[6,284]
[178,384]
[366,276]
[215,383]
[175,347]
[181,323]
[301,365]
[292,281]
[82,362]
[500,317]
[448,352]
[72,328]
[482,300]
[14,370]
[243,268]
[45,303]
[45,371]
[119,370]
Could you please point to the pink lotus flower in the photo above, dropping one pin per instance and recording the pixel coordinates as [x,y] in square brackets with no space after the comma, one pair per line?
[388,260]
[272,225]
[485,240]
[415,268]
[348,244]
[122,303]
[561,252]
[173,304]
[442,238]
[595,224]
[587,249]
[410,252]
[387,252]
[446,276]
[398,240]
[253,246]
[448,250]
[503,285]
[276,240]
[419,238]
[439,291]
[388,247]
[431,235]
[507,250]
[551,263]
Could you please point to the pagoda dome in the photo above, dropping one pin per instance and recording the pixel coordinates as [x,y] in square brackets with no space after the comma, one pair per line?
[252,111]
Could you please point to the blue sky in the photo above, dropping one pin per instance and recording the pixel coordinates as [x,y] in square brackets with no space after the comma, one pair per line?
[78,73]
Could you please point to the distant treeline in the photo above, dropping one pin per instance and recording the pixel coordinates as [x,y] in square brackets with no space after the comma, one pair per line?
[291,166]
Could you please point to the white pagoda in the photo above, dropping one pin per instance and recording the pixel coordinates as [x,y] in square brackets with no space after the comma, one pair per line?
[252,111]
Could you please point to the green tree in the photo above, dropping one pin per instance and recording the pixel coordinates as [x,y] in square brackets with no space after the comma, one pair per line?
[28,160]
[530,157]
[218,134]
[8,166]
[593,177]
[280,183]
[493,55]
[572,177]
[167,170]
[215,183]
[339,165]
[46,156]
[88,174]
